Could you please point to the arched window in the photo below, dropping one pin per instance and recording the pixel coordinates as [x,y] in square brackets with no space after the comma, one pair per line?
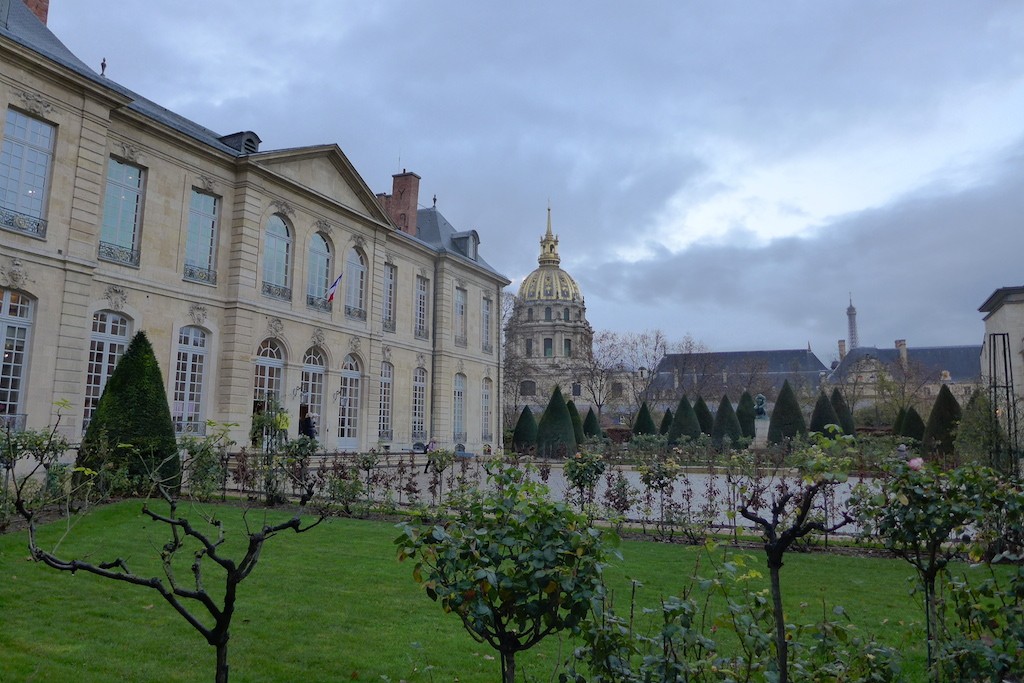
[107,343]
[277,254]
[486,434]
[348,403]
[318,277]
[187,409]
[419,404]
[547,314]
[387,399]
[355,287]
[565,315]
[529,314]
[459,409]
[268,379]
[15,324]
[313,371]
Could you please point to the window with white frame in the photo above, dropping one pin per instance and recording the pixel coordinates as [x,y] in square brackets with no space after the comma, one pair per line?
[201,241]
[277,255]
[460,316]
[355,287]
[318,276]
[268,376]
[388,301]
[25,159]
[107,343]
[419,404]
[189,374]
[312,385]
[486,313]
[387,377]
[122,213]
[348,403]
[421,308]
[485,410]
[459,409]
[15,323]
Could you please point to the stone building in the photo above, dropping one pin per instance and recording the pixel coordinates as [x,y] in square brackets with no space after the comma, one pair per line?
[117,215]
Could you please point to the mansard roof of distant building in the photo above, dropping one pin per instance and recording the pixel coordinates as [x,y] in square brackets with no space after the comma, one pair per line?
[961,362]
[776,365]
[433,229]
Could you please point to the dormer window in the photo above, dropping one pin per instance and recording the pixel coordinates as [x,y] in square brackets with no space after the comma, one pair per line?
[467,243]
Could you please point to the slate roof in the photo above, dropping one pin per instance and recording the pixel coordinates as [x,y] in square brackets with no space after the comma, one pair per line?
[775,367]
[962,362]
[433,229]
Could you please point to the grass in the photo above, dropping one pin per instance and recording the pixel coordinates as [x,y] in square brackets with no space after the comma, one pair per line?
[333,604]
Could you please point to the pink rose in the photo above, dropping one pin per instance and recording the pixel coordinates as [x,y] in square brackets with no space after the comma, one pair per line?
[915,464]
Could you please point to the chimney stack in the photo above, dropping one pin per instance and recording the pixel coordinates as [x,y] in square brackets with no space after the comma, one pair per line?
[40,8]
[901,346]
[403,202]
[842,349]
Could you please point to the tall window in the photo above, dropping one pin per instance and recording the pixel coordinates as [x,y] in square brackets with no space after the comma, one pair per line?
[318,278]
[486,342]
[460,316]
[419,404]
[108,341]
[15,322]
[122,213]
[277,254]
[459,409]
[549,347]
[313,381]
[25,159]
[547,314]
[268,380]
[387,376]
[528,348]
[565,315]
[485,410]
[422,308]
[388,302]
[348,403]
[189,371]
[201,244]
[355,288]
[567,348]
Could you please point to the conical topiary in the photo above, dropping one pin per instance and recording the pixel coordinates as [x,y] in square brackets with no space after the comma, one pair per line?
[666,422]
[787,420]
[644,423]
[824,414]
[940,432]
[525,435]
[746,413]
[727,425]
[577,421]
[684,423]
[591,425]
[704,417]
[843,412]
[897,424]
[133,411]
[555,435]
[912,426]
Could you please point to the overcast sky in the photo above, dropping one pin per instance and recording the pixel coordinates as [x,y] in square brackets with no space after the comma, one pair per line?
[729,170]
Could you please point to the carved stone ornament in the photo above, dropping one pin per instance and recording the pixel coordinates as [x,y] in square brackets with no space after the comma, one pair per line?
[386,353]
[318,337]
[281,206]
[461,366]
[197,313]
[423,272]
[206,183]
[353,344]
[274,327]
[14,274]
[130,152]
[324,226]
[360,241]
[487,373]
[35,103]
[421,360]
[389,258]
[116,297]
[460,283]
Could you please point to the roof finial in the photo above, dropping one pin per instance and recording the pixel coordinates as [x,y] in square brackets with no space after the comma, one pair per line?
[549,219]
[435,200]
[103,67]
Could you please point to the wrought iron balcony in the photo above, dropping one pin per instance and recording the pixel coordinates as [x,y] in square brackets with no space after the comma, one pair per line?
[384,435]
[486,436]
[459,437]
[20,222]
[184,427]
[119,254]
[320,303]
[488,347]
[207,276]
[460,341]
[419,435]
[389,325]
[356,313]
[277,291]
[14,422]
[422,332]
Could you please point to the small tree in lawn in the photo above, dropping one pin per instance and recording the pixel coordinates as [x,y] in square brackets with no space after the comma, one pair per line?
[913,425]
[746,413]
[644,424]
[577,422]
[591,425]
[555,435]
[727,425]
[666,422]
[843,412]
[704,417]
[525,435]
[823,415]
[515,566]
[940,432]
[684,423]
[787,420]
[133,411]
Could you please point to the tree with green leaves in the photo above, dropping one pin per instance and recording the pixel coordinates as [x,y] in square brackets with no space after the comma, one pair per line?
[727,425]
[912,426]
[577,422]
[130,436]
[787,420]
[746,413]
[591,425]
[644,424]
[940,431]
[525,435]
[666,422]
[824,414]
[555,434]
[704,417]
[979,438]
[843,412]
[514,565]
[684,423]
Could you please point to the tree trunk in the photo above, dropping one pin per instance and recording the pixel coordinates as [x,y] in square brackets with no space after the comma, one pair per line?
[222,663]
[781,646]
[931,626]
[508,667]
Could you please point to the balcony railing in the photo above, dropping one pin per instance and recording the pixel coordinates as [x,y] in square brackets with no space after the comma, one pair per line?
[422,332]
[207,276]
[183,427]
[460,341]
[488,347]
[459,437]
[14,422]
[384,435]
[486,436]
[20,222]
[357,313]
[277,291]
[419,435]
[320,303]
[119,254]
[389,325]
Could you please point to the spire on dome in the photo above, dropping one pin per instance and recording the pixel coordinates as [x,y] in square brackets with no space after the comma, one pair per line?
[549,246]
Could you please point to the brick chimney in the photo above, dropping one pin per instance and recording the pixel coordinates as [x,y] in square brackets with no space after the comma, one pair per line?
[842,349]
[40,8]
[401,205]
[901,346]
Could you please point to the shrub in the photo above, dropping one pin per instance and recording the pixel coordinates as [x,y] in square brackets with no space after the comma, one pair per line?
[746,413]
[787,420]
[979,438]
[727,425]
[940,432]
[666,422]
[591,425]
[824,414]
[524,437]
[843,413]
[897,424]
[555,435]
[684,423]
[912,426]
[704,417]
[577,422]
[644,423]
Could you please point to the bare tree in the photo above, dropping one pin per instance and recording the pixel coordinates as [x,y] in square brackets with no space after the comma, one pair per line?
[514,366]
[596,366]
[640,354]
[695,367]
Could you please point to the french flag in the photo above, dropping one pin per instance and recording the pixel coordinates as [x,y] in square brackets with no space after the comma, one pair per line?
[332,289]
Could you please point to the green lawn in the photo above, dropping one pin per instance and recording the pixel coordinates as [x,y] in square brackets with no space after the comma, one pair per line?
[333,604]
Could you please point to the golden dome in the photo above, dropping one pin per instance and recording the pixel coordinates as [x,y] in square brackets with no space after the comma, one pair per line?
[549,282]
